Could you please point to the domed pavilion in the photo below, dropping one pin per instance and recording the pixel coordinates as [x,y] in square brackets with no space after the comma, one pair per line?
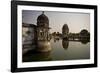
[43,35]
[43,27]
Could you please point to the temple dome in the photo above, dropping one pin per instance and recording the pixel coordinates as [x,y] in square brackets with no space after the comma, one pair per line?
[43,20]
[65,29]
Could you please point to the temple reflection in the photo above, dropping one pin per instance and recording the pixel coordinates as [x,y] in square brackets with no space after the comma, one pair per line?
[65,44]
[36,56]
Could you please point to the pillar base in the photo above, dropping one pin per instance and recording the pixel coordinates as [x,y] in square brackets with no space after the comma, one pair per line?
[43,46]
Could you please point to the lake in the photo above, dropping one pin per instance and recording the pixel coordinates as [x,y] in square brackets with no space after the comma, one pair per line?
[61,50]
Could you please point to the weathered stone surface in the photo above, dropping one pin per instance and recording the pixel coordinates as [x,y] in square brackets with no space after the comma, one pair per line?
[43,46]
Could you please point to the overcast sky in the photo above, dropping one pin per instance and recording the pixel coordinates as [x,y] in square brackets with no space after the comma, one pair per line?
[75,21]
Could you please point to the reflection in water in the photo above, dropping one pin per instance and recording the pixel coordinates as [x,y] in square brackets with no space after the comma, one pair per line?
[36,56]
[77,49]
[84,41]
[56,39]
[65,44]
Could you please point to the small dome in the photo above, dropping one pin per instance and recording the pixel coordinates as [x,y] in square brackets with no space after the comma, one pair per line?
[65,29]
[43,20]
[43,17]
[65,26]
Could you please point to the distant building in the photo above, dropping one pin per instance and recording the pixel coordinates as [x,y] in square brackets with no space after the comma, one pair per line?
[65,30]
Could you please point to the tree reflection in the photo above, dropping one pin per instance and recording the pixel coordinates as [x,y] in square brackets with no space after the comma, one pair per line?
[84,40]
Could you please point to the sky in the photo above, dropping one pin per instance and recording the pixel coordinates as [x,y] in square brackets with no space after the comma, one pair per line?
[75,21]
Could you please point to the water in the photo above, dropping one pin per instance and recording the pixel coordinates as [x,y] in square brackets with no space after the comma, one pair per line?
[61,50]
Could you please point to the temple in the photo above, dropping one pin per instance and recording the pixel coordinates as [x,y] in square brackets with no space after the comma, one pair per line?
[43,27]
[38,34]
